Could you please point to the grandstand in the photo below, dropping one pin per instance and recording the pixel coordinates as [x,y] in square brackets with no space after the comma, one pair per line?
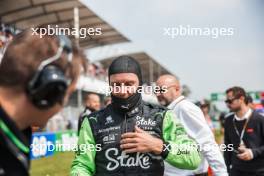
[60,14]
[33,13]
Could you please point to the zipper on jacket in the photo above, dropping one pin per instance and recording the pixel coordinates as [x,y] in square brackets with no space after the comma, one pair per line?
[125,123]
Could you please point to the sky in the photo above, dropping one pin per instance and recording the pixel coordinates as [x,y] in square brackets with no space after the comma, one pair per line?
[204,63]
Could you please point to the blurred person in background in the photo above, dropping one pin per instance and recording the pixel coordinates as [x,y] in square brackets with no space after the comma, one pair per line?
[96,70]
[250,102]
[260,107]
[205,107]
[37,76]
[196,127]
[244,129]
[107,101]
[221,120]
[92,103]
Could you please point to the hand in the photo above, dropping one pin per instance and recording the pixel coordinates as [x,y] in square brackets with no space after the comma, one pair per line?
[246,154]
[140,141]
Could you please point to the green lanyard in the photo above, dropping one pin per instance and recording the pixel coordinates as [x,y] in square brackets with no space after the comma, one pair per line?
[13,138]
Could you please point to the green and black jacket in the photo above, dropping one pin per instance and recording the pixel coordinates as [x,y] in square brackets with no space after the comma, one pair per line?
[99,150]
[14,148]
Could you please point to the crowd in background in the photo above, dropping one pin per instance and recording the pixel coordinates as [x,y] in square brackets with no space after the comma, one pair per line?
[7,32]
[96,70]
[6,35]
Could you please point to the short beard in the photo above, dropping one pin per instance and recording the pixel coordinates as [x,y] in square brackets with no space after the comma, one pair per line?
[164,103]
[236,110]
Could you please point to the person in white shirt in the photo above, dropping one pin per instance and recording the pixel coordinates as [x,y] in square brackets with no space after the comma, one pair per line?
[196,127]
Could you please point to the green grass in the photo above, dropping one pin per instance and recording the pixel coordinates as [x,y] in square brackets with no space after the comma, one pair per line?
[56,165]
[60,163]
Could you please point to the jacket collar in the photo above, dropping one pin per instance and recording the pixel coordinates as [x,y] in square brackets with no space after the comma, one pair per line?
[175,102]
[136,110]
[24,136]
[245,116]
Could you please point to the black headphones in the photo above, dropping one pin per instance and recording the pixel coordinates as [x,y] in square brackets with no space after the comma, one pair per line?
[49,84]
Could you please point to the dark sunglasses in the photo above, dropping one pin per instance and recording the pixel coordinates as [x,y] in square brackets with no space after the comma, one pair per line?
[230,101]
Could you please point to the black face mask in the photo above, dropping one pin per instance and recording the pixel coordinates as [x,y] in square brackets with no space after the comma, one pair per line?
[126,104]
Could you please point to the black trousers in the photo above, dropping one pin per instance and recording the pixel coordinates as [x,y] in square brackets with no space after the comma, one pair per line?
[236,172]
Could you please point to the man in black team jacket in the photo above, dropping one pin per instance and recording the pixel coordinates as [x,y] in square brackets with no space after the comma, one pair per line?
[128,137]
[33,87]
[245,130]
